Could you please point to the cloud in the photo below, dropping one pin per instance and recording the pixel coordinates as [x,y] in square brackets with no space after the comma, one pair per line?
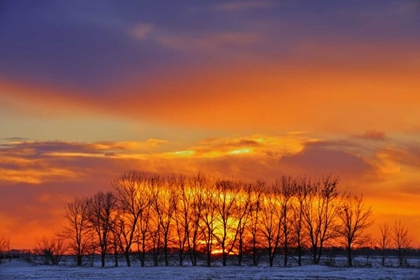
[14,139]
[398,159]
[374,134]
[51,173]
[39,162]
[141,31]
[321,158]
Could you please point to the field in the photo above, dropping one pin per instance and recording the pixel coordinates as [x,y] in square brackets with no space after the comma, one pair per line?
[19,269]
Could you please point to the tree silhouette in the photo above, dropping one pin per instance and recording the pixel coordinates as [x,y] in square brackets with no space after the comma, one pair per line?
[102,216]
[355,218]
[402,241]
[77,229]
[320,212]
[133,196]
[385,241]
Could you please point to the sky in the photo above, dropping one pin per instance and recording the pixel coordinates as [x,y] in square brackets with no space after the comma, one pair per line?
[244,89]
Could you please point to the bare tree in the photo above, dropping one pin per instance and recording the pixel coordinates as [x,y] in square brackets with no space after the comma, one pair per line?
[243,217]
[355,217]
[134,195]
[271,222]
[155,238]
[225,205]
[164,207]
[181,216]
[4,246]
[197,186]
[208,221]
[285,195]
[385,241]
[368,248]
[115,243]
[255,218]
[402,241]
[301,189]
[77,228]
[102,216]
[143,235]
[51,250]
[320,212]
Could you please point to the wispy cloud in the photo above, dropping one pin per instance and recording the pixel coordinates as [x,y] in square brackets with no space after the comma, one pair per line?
[36,162]
[141,31]
[14,139]
[373,134]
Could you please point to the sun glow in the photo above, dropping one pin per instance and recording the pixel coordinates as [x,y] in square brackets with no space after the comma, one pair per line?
[184,153]
[220,251]
[241,151]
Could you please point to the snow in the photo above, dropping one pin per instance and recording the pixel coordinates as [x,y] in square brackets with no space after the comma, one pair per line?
[19,269]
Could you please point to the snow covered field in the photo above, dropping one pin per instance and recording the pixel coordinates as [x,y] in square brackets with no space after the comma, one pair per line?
[18,269]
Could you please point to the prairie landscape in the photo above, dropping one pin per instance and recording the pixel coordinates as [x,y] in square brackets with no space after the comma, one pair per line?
[213,139]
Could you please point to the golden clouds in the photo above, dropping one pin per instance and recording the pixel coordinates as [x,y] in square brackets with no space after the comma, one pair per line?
[257,156]
[49,171]
[39,162]
[36,176]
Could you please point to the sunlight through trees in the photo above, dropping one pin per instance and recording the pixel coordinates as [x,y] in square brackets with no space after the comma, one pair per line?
[153,216]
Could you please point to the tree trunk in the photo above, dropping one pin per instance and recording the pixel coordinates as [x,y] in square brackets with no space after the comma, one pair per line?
[271,260]
[208,258]
[103,259]
[349,257]
[208,254]
[299,251]
[319,254]
[116,258]
[180,258]
[270,256]
[254,252]
[240,251]
[166,254]
[79,260]
[286,253]
[315,253]
[224,256]
[193,256]
[143,253]
[127,258]
[143,257]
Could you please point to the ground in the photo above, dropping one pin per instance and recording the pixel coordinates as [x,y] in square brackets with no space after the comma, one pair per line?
[19,269]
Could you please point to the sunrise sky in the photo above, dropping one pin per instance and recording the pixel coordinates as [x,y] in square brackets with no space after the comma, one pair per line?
[249,89]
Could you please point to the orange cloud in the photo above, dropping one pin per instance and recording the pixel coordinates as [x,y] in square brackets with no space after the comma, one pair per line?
[373,135]
[51,173]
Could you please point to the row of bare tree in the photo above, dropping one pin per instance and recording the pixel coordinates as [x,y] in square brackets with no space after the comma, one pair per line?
[155,215]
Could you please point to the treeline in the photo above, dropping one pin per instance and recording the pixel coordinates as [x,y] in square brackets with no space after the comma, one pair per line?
[151,216]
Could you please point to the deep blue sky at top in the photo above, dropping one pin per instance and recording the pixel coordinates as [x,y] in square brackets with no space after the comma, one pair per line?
[87,44]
